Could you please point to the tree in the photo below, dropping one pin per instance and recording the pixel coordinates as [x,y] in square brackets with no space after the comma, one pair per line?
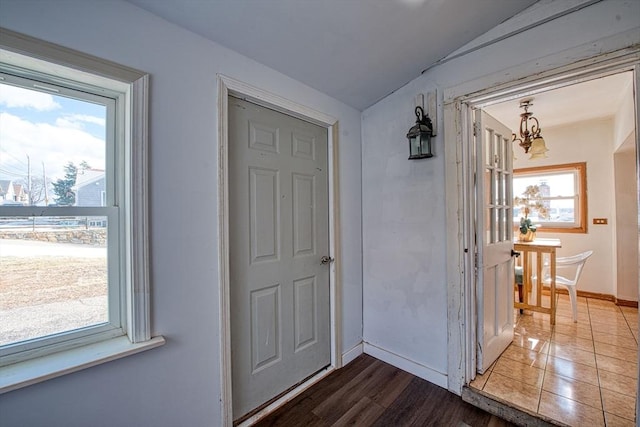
[84,165]
[62,188]
[38,191]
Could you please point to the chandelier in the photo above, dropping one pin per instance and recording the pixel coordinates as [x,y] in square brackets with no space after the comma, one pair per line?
[530,138]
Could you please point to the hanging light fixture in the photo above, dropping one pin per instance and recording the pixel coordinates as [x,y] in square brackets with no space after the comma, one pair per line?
[530,138]
[420,136]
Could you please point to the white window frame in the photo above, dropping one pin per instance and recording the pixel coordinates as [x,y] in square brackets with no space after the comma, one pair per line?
[130,331]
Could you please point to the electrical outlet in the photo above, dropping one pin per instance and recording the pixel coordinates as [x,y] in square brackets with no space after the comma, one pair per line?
[600,221]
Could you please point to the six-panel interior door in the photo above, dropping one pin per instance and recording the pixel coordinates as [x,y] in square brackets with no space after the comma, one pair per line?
[494,234]
[278,233]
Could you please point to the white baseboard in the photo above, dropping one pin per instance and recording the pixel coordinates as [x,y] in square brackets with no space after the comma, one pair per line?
[424,372]
[350,355]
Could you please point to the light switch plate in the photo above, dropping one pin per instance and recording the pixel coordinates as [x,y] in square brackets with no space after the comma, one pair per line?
[600,221]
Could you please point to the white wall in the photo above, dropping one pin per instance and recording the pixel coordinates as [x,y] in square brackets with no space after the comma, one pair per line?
[625,118]
[405,282]
[591,142]
[178,384]
[626,225]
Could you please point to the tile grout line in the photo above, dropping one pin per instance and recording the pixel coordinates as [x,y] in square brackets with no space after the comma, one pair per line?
[592,310]
[546,361]
[593,341]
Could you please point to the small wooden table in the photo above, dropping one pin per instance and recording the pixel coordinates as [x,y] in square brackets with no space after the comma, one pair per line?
[540,247]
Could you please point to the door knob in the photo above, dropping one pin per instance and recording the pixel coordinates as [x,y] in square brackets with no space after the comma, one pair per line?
[326,260]
[514,253]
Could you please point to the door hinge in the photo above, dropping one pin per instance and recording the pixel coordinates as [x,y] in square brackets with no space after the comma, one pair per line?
[475,128]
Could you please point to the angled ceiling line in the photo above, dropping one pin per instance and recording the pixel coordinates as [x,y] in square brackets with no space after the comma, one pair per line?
[511,34]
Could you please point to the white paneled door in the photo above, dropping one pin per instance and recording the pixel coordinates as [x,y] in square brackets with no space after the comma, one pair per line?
[278,234]
[494,235]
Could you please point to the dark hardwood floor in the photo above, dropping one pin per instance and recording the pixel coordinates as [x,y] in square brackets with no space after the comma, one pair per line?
[369,392]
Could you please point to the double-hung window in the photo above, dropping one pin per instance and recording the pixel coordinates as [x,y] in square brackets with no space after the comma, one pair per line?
[73,229]
[564,195]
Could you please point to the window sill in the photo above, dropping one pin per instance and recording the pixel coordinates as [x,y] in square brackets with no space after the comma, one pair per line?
[22,374]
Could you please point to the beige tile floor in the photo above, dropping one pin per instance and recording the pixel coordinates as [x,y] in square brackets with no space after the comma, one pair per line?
[582,374]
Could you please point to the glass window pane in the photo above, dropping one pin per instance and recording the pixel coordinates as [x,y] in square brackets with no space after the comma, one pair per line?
[53,275]
[52,149]
[560,210]
[556,185]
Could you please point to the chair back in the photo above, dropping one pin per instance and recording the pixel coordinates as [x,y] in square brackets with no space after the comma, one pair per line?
[576,261]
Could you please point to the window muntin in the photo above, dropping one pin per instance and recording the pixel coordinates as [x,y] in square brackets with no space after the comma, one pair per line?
[68,129]
[564,194]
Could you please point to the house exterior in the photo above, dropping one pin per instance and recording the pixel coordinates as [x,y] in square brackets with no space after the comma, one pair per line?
[19,193]
[6,190]
[394,281]
[90,188]
[12,193]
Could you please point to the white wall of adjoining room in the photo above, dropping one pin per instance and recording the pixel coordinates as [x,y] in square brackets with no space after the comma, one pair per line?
[625,118]
[626,224]
[626,221]
[591,142]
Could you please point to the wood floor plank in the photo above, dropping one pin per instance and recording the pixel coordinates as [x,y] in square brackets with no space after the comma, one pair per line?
[337,405]
[362,414]
[294,412]
[369,392]
[445,408]
[392,387]
[403,411]
[299,419]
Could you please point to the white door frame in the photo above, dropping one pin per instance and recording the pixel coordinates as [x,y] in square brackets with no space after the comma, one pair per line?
[458,104]
[229,86]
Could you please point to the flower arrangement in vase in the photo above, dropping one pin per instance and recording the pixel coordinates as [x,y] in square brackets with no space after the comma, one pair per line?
[530,201]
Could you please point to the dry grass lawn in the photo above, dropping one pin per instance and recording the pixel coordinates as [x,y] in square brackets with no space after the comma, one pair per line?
[29,281]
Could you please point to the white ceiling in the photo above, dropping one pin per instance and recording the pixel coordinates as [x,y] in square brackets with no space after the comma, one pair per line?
[589,100]
[357,51]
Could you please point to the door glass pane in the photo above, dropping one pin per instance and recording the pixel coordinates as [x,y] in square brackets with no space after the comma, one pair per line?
[500,193]
[487,225]
[488,188]
[506,157]
[505,187]
[496,150]
[488,153]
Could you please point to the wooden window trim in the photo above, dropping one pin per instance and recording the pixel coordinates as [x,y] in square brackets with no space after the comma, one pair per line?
[581,169]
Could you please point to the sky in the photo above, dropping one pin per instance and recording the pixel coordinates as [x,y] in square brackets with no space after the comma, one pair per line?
[51,130]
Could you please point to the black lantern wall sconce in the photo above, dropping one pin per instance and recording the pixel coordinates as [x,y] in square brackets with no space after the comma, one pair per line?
[420,136]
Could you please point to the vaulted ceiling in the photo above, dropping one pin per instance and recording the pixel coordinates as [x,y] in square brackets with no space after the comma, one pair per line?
[357,51]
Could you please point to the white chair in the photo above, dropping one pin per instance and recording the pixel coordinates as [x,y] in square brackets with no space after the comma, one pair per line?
[574,264]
